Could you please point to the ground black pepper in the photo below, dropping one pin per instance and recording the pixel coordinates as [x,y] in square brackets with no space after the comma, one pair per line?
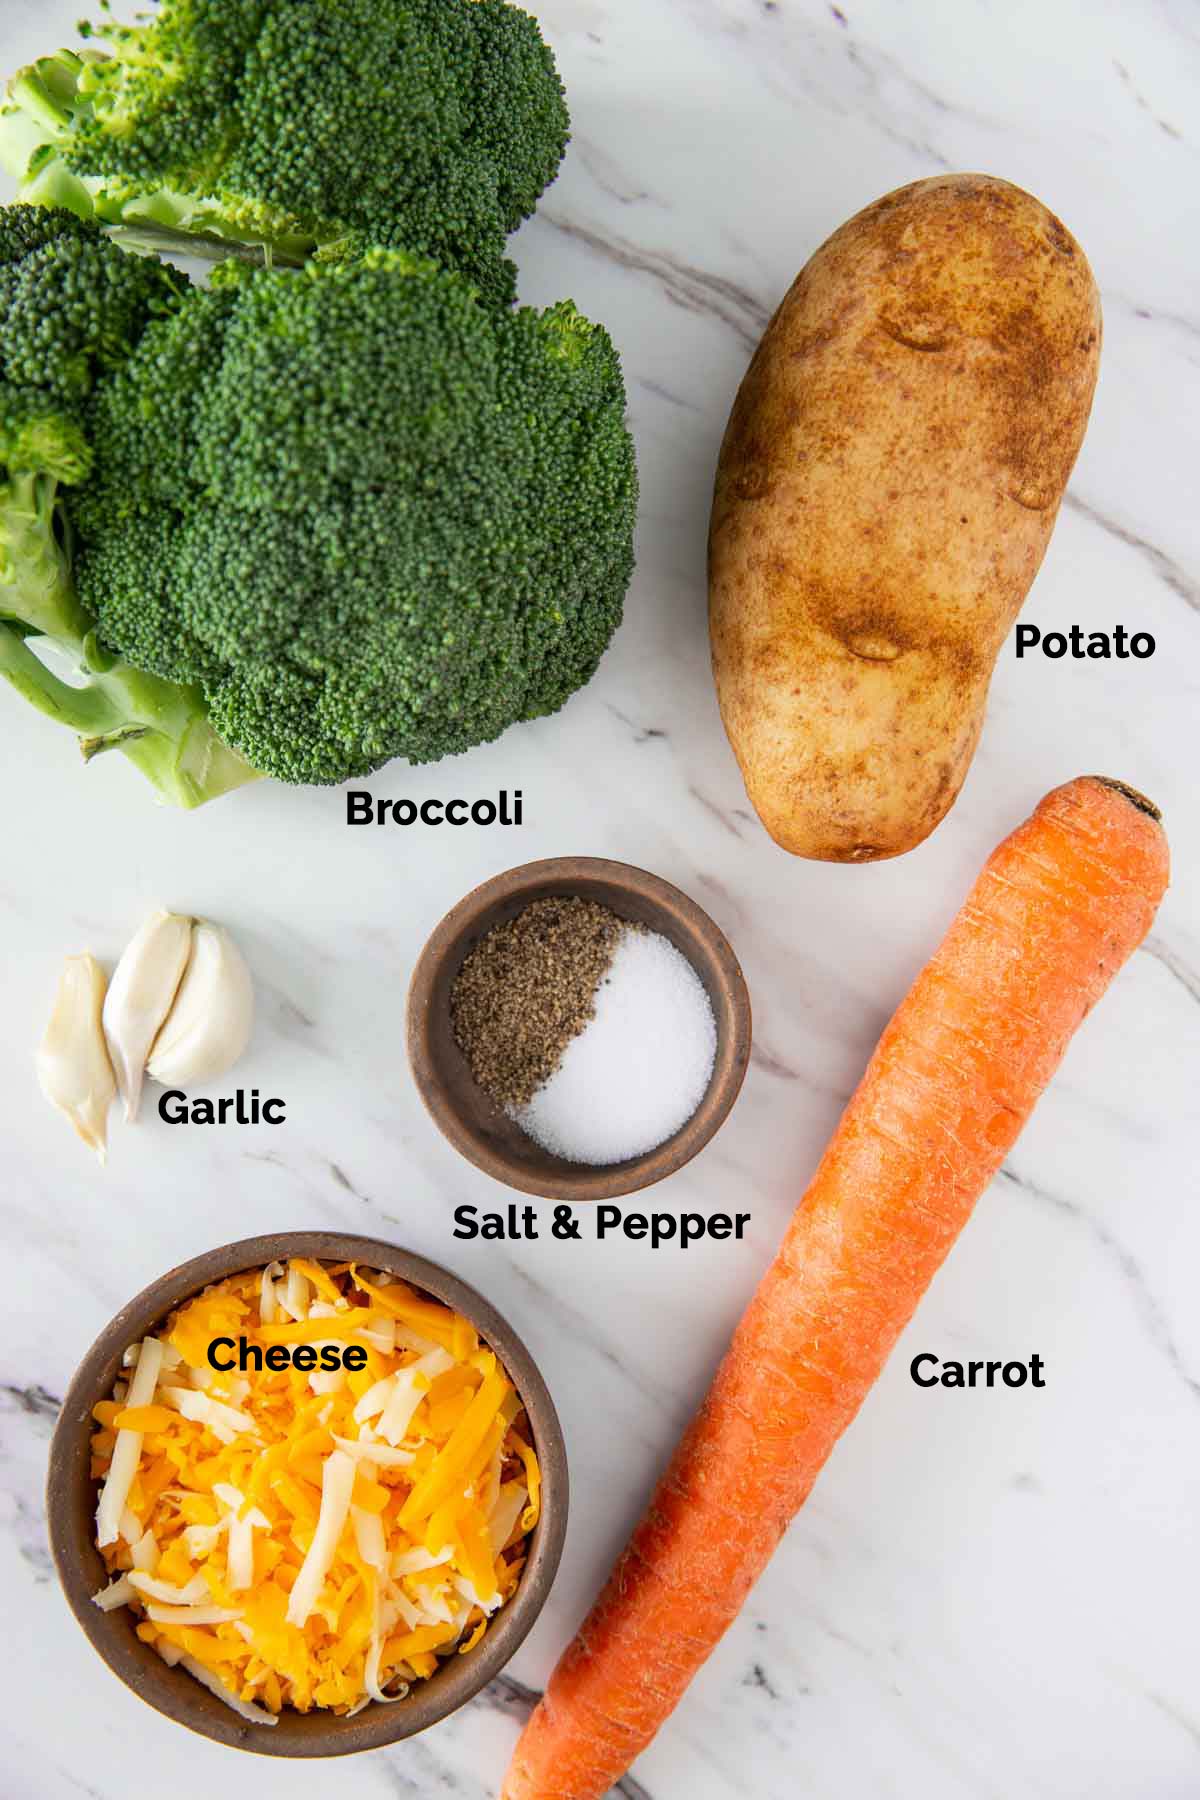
[527,988]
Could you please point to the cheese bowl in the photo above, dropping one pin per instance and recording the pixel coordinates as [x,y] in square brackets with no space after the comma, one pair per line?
[71,1496]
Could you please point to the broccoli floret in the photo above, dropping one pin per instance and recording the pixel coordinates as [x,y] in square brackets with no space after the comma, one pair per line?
[428,124]
[71,305]
[420,532]
[71,302]
[38,434]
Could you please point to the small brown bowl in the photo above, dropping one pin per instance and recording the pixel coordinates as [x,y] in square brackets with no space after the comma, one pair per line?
[71,1506]
[480,1129]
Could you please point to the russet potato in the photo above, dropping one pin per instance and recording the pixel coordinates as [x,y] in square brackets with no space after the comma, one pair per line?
[887,486]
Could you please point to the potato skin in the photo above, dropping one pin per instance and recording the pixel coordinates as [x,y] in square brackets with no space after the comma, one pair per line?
[889,479]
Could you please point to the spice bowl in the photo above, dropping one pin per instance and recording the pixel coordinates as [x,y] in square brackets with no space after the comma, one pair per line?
[480,1129]
[71,1507]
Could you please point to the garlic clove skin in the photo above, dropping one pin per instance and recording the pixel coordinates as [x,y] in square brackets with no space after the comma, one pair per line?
[73,1065]
[209,1025]
[141,995]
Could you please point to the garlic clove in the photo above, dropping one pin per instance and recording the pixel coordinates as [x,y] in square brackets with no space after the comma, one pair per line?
[210,1023]
[140,996]
[73,1064]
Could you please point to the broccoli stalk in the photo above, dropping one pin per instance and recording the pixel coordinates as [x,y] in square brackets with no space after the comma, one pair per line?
[161,726]
[34,568]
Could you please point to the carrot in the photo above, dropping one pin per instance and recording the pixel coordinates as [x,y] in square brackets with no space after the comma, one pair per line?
[1058,908]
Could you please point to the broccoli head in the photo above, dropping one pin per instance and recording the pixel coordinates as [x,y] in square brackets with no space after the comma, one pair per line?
[71,305]
[420,533]
[432,125]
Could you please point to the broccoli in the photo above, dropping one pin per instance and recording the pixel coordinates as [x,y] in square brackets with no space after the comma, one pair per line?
[419,533]
[71,306]
[428,125]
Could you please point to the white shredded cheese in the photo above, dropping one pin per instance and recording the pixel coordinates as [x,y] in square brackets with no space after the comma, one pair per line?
[380,1333]
[239,1560]
[412,1562]
[371,1673]
[145,1551]
[195,1591]
[368,1535]
[225,1422]
[367,1450]
[470,1593]
[409,1389]
[294,1298]
[374,1400]
[268,1305]
[127,1450]
[191,1615]
[505,1513]
[258,1715]
[406,1609]
[434,1608]
[200,1540]
[240,1556]
[117,1593]
[326,1381]
[337,1484]
[408,1339]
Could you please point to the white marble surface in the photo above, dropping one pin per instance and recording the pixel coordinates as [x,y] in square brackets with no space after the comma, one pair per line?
[989,1595]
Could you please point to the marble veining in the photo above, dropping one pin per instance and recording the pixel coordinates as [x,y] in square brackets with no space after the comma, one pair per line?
[988,1594]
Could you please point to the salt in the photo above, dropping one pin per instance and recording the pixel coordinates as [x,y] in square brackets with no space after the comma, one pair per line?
[639,1069]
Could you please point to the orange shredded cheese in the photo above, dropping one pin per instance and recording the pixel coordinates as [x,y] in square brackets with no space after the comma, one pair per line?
[313,1539]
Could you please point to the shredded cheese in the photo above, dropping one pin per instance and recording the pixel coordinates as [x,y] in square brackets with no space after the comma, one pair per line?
[337,1485]
[215,1685]
[143,1550]
[189,1595]
[128,1448]
[191,1615]
[117,1593]
[383,1454]
[313,1538]
[225,1422]
[510,1504]
[409,1388]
